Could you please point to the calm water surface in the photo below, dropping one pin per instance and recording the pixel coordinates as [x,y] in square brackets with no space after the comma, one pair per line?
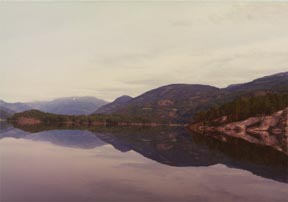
[135,165]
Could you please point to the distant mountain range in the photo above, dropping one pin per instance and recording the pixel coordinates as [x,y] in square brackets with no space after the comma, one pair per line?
[67,106]
[175,102]
[14,107]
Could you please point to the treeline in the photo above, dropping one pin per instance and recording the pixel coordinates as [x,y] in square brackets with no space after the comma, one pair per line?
[244,107]
[56,119]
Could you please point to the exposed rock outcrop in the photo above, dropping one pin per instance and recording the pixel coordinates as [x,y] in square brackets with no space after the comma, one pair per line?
[269,130]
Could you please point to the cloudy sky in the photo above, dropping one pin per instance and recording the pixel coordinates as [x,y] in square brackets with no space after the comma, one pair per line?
[51,50]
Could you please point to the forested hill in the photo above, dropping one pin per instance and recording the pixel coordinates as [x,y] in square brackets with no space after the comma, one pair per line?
[245,107]
[180,102]
[36,117]
[277,82]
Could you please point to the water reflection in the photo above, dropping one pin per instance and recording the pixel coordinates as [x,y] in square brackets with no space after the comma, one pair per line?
[178,147]
[170,146]
[83,139]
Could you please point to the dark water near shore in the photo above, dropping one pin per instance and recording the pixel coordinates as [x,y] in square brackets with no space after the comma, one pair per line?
[137,164]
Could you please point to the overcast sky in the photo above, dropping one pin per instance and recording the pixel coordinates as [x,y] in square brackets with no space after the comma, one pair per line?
[50,50]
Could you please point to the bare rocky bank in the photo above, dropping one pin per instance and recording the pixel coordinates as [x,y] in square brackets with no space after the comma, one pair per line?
[271,130]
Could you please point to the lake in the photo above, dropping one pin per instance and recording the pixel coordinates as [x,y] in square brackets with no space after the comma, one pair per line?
[136,164]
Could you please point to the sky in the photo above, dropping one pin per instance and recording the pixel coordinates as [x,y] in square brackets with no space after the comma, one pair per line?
[109,49]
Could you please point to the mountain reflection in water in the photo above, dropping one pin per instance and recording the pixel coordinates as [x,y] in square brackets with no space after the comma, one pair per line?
[170,146]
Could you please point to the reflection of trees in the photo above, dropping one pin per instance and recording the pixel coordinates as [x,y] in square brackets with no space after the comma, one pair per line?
[179,147]
[176,147]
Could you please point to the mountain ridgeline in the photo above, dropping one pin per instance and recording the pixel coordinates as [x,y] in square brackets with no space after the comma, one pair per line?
[114,106]
[14,107]
[278,82]
[69,105]
[65,106]
[171,103]
[185,103]
[179,103]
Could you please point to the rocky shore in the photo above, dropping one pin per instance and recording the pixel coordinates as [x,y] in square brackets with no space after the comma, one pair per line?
[269,130]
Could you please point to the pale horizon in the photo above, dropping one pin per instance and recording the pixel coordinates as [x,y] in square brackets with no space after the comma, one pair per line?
[105,50]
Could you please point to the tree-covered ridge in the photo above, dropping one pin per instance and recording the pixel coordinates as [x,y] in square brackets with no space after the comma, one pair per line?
[244,107]
[50,119]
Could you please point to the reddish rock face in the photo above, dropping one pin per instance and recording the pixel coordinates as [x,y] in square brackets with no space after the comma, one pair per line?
[265,130]
[28,121]
[165,103]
